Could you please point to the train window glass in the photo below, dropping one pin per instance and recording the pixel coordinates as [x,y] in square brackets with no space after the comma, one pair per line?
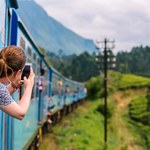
[38,61]
[55,83]
[34,56]
[32,95]
[2,23]
[22,43]
[29,53]
[38,65]
[34,65]
[37,89]
[47,80]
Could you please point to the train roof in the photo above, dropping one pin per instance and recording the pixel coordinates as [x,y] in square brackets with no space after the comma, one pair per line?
[29,37]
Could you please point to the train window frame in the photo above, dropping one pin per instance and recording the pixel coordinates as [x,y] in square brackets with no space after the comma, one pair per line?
[22,44]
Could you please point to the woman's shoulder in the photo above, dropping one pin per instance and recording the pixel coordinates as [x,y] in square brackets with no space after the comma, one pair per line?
[3,90]
[5,97]
[2,87]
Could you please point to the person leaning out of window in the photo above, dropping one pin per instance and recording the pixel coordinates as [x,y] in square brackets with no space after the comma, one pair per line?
[12,62]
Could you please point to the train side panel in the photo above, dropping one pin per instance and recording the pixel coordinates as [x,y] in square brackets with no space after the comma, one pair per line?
[23,132]
[25,129]
[2,43]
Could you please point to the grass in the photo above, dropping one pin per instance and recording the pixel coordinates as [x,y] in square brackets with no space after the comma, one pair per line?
[81,130]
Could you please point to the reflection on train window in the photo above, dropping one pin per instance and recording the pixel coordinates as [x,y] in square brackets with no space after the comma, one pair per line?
[29,53]
[37,89]
[34,56]
[37,72]
[22,43]
[34,65]
[32,95]
[54,84]
[38,65]
[44,73]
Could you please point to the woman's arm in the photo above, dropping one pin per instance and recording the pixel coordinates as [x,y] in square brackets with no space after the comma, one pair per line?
[18,110]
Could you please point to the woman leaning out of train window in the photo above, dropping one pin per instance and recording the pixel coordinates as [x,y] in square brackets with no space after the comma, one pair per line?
[12,61]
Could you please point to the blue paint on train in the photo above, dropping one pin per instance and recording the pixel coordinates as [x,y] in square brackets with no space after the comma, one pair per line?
[23,130]
[13,28]
[56,92]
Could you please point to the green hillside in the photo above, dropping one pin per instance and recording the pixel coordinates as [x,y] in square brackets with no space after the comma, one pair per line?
[128,117]
[50,33]
[128,108]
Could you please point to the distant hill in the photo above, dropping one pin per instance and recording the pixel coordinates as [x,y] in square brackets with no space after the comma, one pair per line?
[51,34]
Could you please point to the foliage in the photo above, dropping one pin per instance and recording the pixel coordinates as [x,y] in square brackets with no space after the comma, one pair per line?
[110,109]
[116,81]
[76,67]
[95,87]
[136,61]
[139,111]
[82,67]
[132,81]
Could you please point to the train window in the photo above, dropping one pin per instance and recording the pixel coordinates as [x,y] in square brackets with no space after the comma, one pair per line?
[34,56]
[56,78]
[32,95]
[34,63]
[37,89]
[29,53]
[38,61]
[47,81]
[22,43]
[38,65]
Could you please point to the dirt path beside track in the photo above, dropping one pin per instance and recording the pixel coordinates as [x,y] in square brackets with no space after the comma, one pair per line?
[125,139]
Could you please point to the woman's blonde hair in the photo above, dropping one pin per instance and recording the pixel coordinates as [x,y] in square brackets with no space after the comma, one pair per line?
[12,58]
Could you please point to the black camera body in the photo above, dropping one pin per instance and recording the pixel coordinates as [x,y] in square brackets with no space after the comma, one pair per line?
[26,71]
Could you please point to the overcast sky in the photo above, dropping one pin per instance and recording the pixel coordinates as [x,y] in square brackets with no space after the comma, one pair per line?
[125,21]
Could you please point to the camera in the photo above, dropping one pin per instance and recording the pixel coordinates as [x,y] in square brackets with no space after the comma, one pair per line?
[26,70]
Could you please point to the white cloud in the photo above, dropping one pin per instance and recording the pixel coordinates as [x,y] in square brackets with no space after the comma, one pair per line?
[126,21]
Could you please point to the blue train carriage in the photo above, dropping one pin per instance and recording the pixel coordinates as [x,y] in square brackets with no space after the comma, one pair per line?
[58,95]
[56,102]
[22,133]
[75,93]
[44,85]
[64,94]
[56,92]
[37,113]
[69,91]
[2,43]
[82,91]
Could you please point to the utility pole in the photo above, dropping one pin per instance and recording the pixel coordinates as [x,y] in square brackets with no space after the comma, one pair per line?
[105,92]
[106,53]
